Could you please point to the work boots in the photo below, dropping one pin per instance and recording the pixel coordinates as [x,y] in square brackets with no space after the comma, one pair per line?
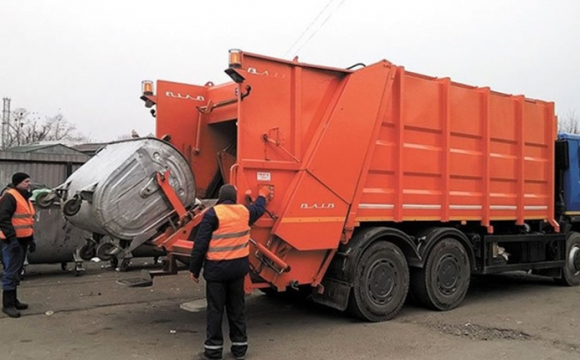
[9,302]
[17,304]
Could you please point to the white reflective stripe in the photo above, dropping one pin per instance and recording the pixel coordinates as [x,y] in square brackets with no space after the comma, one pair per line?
[452,207]
[240,343]
[231,235]
[533,207]
[503,207]
[213,249]
[213,347]
[376,206]
[465,207]
[421,206]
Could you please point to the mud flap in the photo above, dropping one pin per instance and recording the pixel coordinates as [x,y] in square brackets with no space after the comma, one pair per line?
[335,295]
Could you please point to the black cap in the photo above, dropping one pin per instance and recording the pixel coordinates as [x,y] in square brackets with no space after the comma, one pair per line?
[19,177]
[228,192]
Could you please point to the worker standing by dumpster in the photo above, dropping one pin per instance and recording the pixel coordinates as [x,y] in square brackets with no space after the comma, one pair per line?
[16,235]
[222,241]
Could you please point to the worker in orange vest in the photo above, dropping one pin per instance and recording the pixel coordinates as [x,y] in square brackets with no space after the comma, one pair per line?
[16,235]
[222,248]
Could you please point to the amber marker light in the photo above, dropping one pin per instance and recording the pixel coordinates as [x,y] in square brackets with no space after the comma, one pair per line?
[235,60]
[147,87]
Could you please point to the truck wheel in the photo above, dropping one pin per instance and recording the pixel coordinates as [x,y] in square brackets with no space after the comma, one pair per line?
[443,282]
[571,270]
[381,283]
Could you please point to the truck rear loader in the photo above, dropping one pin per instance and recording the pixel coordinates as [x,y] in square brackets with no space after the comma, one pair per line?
[384,181]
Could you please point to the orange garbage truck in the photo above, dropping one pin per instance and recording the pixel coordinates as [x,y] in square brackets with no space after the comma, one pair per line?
[384,181]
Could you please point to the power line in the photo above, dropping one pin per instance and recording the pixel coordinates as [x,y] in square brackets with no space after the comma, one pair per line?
[321,25]
[310,26]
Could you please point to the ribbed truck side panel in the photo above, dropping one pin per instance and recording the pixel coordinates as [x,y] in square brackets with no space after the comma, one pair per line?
[447,151]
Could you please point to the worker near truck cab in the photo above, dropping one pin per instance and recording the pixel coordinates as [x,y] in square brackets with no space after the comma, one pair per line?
[222,248]
[16,235]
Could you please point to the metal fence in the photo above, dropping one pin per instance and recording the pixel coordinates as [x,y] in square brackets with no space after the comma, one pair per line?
[48,169]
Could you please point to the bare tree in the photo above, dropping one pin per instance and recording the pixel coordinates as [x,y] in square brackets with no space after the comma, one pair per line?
[27,128]
[569,123]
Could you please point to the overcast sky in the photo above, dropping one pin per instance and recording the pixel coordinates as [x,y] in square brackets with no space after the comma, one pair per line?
[87,58]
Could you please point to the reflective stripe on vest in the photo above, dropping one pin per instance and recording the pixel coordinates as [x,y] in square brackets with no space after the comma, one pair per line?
[23,217]
[231,240]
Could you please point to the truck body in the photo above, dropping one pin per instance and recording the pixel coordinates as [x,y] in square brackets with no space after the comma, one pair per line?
[385,181]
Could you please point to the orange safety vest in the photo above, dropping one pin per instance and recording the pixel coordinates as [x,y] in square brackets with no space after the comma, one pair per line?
[23,218]
[231,240]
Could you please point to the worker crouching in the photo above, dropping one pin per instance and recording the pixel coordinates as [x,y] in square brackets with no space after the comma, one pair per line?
[16,235]
[222,242]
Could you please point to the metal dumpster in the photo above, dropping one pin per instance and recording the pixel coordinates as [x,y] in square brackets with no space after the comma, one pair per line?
[116,193]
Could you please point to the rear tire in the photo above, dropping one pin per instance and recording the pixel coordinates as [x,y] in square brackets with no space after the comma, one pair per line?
[381,283]
[571,270]
[444,280]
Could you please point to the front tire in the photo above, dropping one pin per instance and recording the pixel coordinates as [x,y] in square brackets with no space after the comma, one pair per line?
[381,283]
[444,280]
[571,270]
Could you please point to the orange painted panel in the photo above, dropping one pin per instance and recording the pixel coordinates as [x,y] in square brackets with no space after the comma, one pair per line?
[465,102]
[175,115]
[312,218]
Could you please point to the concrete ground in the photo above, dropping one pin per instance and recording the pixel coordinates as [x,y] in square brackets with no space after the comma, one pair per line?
[91,317]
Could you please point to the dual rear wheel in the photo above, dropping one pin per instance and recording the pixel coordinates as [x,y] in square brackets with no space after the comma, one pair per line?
[444,280]
[381,282]
[382,279]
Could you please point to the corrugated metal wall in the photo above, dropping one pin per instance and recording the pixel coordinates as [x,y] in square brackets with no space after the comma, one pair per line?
[49,169]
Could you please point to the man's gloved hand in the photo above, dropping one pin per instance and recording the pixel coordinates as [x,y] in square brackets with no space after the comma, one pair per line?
[266,192]
[32,247]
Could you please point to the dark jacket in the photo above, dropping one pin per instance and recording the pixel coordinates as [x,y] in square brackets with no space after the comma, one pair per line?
[224,269]
[7,209]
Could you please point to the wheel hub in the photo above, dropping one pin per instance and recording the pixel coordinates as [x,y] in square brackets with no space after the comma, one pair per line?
[381,281]
[574,259]
[448,274]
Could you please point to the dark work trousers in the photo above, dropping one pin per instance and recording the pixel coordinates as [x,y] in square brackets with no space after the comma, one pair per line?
[13,253]
[228,294]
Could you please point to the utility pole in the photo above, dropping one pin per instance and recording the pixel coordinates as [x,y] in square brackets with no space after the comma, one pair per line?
[5,123]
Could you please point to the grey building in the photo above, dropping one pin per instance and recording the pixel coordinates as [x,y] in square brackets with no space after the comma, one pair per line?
[47,164]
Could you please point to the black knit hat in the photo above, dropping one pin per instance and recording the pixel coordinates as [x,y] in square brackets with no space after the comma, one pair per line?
[19,177]
[227,192]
